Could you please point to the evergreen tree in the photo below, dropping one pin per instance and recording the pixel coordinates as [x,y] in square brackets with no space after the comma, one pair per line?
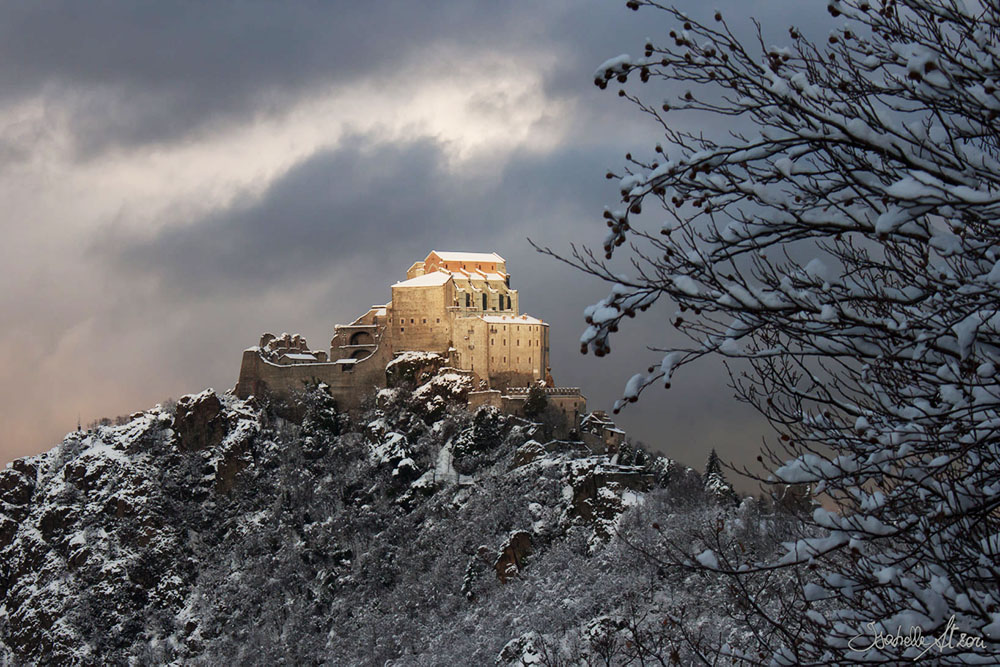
[536,402]
[714,465]
[487,431]
[716,484]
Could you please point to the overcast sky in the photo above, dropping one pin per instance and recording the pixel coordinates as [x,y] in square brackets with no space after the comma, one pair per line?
[177,178]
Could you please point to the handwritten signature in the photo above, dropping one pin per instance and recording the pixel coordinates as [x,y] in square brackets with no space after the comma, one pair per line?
[950,638]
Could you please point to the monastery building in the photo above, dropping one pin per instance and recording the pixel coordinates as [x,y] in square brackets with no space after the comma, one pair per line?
[459,305]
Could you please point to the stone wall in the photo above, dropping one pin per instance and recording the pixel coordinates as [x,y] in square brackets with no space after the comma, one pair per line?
[420,319]
[568,401]
[475,286]
[517,351]
[349,383]
[490,397]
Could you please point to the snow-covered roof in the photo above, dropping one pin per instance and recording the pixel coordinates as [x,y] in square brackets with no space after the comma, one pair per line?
[468,256]
[298,357]
[346,361]
[511,319]
[596,419]
[428,280]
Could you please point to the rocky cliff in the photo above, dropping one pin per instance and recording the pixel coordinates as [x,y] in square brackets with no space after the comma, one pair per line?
[213,530]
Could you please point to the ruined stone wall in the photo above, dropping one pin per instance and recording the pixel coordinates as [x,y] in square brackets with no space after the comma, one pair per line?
[348,383]
[606,442]
[371,323]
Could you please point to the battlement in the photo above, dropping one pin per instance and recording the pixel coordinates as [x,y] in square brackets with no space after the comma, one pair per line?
[550,391]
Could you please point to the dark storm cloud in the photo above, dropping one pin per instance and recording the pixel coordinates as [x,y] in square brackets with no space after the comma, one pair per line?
[131,75]
[356,198]
[359,200]
[155,72]
[139,72]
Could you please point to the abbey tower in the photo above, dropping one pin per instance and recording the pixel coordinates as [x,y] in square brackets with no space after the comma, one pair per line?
[459,305]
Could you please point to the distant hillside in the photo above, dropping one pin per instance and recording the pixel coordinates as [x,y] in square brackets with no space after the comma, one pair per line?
[216,531]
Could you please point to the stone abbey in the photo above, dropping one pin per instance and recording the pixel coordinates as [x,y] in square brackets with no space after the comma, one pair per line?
[458,305]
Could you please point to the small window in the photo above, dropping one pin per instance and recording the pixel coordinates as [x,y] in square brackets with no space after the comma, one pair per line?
[402,329]
[505,360]
[439,320]
[519,342]
[411,320]
[425,321]
[485,305]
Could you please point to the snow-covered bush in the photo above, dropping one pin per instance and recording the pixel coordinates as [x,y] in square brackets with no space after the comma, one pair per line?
[844,246]
[411,367]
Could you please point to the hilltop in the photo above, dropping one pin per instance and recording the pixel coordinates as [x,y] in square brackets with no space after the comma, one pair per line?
[419,531]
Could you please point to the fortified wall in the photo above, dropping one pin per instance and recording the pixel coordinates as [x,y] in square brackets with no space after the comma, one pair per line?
[459,305]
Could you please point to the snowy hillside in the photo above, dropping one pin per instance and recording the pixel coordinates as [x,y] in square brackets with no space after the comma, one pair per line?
[217,531]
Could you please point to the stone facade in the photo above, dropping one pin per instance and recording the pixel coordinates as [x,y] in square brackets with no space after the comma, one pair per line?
[600,434]
[459,305]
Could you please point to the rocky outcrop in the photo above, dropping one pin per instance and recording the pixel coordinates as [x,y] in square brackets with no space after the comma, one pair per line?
[17,482]
[221,532]
[413,368]
[17,486]
[199,423]
[513,554]
[590,476]
[526,453]
[95,531]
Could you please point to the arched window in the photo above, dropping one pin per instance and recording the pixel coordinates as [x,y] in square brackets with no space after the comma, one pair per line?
[361,338]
